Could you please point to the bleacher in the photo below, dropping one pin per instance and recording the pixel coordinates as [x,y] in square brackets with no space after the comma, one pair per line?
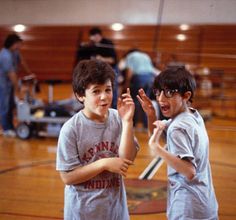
[50,51]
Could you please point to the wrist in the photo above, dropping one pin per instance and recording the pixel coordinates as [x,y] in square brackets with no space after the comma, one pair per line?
[159,150]
[151,114]
[102,164]
[127,122]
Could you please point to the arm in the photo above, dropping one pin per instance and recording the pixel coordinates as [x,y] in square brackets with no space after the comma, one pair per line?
[148,108]
[25,65]
[125,108]
[14,79]
[106,52]
[109,60]
[7,65]
[182,166]
[87,172]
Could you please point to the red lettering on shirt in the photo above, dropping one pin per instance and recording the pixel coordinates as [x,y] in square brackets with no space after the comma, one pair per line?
[102,184]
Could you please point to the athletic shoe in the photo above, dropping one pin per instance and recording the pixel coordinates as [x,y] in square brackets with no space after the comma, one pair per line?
[9,133]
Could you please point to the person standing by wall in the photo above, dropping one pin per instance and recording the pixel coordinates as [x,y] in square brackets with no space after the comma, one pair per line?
[10,59]
[103,49]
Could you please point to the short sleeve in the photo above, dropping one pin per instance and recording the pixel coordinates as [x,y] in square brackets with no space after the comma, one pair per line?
[67,149]
[129,62]
[7,64]
[179,143]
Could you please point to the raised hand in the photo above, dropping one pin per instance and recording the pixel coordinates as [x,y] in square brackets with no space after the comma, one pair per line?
[125,106]
[146,103]
[154,141]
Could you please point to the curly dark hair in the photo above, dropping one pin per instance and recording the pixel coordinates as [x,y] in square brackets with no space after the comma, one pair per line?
[94,31]
[176,78]
[91,72]
[11,39]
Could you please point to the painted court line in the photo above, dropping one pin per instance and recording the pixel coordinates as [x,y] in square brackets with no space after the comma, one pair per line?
[152,168]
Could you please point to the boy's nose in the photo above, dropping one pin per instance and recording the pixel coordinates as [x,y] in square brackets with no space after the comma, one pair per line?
[161,96]
[103,95]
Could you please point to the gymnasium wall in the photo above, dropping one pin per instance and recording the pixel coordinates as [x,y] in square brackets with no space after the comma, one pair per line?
[128,12]
[50,50]
[56,27]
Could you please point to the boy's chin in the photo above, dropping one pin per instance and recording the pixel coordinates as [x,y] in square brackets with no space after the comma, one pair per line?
[165,114]
[103,110]
[168,115]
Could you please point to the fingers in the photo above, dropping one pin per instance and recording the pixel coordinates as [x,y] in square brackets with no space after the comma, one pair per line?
[154,139]
[123,174]
[160,125]
[126,98]
[142,96]
[141,92]
[124,169]
[125,166]
[125,102]
[140,99]
[126,95]
[128,162]
[118,165]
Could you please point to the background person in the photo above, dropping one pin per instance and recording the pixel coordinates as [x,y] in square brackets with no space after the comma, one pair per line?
[103,49]
[10,59]
[140,73]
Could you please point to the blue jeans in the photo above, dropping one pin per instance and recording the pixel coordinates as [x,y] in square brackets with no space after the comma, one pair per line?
[115,88]
[7,105]
[144,81]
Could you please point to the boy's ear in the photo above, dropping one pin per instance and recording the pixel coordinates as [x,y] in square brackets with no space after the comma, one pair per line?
[187,95]
[80,98]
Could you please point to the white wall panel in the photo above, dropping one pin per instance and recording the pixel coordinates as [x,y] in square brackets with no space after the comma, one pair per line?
[77,12]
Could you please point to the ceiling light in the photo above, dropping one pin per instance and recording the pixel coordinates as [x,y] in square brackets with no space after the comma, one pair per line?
[117,26]
[181,37]
[184,27]
[19,28]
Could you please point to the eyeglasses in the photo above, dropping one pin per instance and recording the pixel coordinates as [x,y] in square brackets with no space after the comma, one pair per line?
[168,93]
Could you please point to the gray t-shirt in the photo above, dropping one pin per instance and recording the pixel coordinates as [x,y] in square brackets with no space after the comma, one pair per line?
[187,138]
[83,141]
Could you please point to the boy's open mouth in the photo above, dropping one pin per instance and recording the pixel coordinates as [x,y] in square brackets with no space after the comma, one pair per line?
[164,108]
[104,105]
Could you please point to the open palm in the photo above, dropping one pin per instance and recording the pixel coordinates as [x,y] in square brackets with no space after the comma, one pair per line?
[125,106]
[146,103]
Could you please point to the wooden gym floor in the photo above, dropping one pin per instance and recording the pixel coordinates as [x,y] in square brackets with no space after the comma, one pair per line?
[30,188]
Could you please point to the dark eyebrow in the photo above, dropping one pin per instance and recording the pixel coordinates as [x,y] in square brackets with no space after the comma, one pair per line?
[97,86]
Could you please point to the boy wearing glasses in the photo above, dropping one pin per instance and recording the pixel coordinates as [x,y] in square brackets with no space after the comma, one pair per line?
[190,189]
